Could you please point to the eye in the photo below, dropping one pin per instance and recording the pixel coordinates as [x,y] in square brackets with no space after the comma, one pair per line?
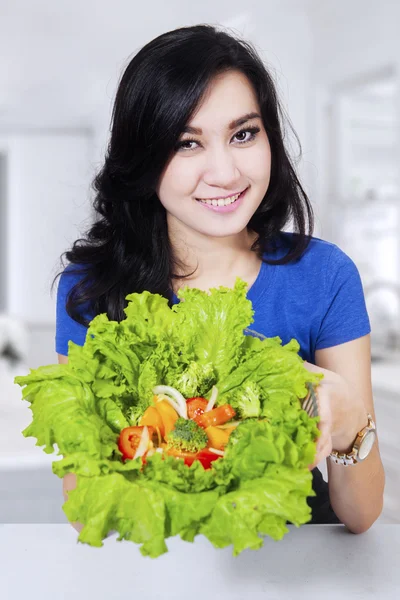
[184,146]
[252,131]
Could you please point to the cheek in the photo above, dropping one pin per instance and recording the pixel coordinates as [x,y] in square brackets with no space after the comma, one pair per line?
[258,163]
[179,178]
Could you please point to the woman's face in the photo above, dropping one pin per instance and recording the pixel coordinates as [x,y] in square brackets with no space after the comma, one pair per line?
[217,161]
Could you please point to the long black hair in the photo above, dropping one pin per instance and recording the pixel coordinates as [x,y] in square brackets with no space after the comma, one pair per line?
[127,248]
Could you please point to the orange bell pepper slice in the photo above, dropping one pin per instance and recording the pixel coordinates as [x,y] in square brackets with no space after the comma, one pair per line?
[162,416]
[217,438]
[169,416]
[152,418]
[216,416]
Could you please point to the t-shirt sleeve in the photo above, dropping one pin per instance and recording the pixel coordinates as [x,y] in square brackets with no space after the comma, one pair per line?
[66,328]
[344,316]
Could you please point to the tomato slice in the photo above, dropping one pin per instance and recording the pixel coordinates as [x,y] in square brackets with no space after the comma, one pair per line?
[129,440]
[188,457]
[204,456]
[216,416]
[196,406]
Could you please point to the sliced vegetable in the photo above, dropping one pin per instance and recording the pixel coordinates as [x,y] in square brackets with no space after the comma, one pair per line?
[170,401]
[144,443]
[205,456]
[169,416]
[196,406]
[216,416]
[134,439]
[216,451]
[152,418]
[188,457]
[217,438]
[174,397]
[227,429]
[213,399]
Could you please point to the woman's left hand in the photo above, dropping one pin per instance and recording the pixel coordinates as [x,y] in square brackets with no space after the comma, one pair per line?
[336,426]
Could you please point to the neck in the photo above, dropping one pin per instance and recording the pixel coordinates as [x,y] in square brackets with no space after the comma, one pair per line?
[214,261]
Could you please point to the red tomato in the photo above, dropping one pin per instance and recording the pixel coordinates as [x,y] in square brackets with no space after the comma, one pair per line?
[204,456]
[129,440]
[216,416]
[196,407]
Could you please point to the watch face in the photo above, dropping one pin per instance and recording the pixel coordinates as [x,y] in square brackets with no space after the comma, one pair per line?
[367,444]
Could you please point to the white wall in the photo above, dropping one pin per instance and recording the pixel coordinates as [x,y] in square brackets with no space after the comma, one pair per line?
[47,204]
[354,42]
[354,37]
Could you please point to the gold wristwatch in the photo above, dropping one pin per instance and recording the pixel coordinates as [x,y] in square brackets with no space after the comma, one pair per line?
[361,448]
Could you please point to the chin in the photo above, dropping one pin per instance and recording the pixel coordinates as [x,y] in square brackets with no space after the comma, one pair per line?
[221,231]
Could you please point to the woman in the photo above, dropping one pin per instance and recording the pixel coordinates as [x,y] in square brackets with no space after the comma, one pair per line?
[195,190]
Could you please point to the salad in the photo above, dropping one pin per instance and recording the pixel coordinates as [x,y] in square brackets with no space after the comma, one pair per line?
[178,423]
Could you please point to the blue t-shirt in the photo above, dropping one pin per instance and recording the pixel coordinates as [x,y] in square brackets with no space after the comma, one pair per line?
[318,300]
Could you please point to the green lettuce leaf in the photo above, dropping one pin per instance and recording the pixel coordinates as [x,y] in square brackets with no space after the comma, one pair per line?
[211,325]
[64,412]
[259,507]
[261,482]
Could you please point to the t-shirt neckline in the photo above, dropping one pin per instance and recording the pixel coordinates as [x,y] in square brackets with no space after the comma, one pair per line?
[257,289]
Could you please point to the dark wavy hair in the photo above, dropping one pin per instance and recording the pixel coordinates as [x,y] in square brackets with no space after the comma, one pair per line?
[127,248]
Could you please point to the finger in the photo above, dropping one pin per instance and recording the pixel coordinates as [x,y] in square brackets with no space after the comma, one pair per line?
[323,449]
[324,444]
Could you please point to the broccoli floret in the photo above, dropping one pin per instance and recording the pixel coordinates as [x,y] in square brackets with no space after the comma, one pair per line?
[246,400]
[196,380]
[187,435]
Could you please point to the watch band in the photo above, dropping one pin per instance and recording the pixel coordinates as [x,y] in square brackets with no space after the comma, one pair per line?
[352,457]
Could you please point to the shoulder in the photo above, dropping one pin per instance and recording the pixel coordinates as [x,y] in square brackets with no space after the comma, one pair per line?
[323,267]
[68,328]
[71,275]
[318,256]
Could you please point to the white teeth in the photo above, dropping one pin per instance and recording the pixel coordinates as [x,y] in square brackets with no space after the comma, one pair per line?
[221,201]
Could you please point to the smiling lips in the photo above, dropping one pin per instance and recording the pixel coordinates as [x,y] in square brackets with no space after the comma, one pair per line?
[224,205]
[220,201]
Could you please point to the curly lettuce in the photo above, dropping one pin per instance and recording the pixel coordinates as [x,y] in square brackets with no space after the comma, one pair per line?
[261,482]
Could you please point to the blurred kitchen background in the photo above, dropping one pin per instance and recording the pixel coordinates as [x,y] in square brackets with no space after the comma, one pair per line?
[336,64]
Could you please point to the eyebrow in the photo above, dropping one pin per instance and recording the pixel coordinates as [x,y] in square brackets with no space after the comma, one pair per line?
[232,125]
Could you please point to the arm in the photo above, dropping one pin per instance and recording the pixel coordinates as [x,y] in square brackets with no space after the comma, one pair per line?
[356,492]
[69,480]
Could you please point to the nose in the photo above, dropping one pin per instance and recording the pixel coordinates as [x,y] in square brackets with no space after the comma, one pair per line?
[221,169]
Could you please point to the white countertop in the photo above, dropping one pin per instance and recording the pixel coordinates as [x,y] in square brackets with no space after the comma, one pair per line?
[327,562]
